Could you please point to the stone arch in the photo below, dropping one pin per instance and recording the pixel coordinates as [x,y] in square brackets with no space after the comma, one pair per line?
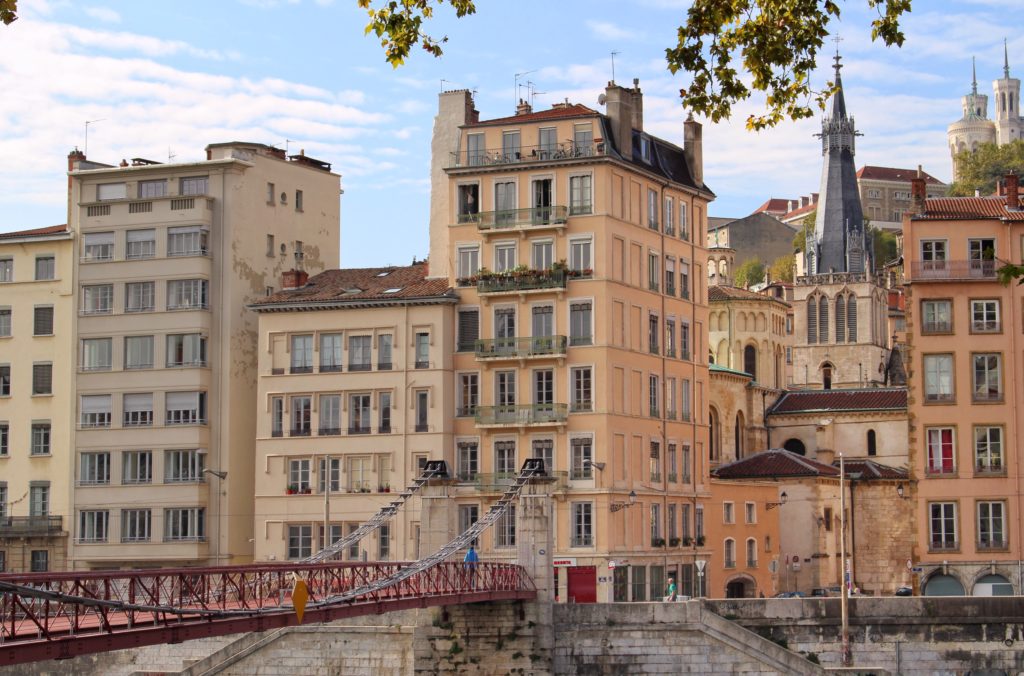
[761,323]
[794,445]
[741,321]
[828,374]
[983,586]
[750,360]
[722,356]
[942,584]
[740,586]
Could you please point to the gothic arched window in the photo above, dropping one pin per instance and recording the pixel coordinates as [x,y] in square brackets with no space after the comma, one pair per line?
[812,320]
[823,320]
[851,318]
[872,443]
[840,319]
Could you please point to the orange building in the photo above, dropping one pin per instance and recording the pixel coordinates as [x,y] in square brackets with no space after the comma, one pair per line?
[965,375]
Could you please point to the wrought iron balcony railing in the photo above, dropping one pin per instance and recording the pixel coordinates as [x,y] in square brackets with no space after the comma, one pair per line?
[521,280]
[515,155]
[514,348]
[522,414]
[513,218]
[12,526]
[923,271]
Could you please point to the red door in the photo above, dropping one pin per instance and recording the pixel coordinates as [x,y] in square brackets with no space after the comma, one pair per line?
[582,584]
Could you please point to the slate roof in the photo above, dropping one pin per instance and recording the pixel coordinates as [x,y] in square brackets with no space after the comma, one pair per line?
[820,401]
[334,288]
[873,173]
[772,464]
[36,232]
[556,113]
[718,368]
[719,294]
[963,208]
[869,469]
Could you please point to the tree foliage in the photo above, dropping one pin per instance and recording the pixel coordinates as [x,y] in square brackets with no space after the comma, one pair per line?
[399,25]
[980,169]
[8,11]
[783,269]
[806,227]
[749,273]
[886,246]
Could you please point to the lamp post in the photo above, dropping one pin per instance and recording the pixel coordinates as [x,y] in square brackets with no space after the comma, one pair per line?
[618,506]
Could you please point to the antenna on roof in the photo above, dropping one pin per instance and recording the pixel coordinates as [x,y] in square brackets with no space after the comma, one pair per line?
[85,151]
[286,142]
[613,65]
[442,83]
[515,90]
[171,154]
[532,92]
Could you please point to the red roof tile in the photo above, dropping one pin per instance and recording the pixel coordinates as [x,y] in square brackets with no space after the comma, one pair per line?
[349,285]
[775,205]
[36,232]
[814,401]
[774,463]
[718,294]
[557,113]
[869,469]
[802,211]
[965,208]
[892,174]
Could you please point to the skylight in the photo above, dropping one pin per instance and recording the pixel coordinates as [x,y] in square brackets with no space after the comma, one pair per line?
[384,274]
[394,290]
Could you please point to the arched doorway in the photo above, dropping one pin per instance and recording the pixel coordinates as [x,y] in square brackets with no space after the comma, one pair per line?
[750,360]
[943,585]
[992,585]
[740,588]
[795,446]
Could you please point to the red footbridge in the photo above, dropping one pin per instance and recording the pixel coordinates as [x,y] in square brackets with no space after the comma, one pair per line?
[62,615]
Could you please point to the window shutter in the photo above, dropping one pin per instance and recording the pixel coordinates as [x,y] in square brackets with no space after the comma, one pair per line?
[42,378]
[469,329]
[43,323]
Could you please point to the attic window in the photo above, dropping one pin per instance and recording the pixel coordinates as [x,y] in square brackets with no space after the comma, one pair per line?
[353,291]
[384,274]
[394,290]
[645,148]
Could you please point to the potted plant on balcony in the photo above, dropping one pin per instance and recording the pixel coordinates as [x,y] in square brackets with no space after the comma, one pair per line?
[292,489]
[657,542]
[700,540]
[588,272]
[306,491]
[687,541]
[673,542]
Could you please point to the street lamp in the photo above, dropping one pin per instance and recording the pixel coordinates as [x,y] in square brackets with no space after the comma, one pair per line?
[769,506]
[220,474]
[617,506]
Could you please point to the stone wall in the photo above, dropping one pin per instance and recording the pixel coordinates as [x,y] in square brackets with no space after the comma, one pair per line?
[883,537]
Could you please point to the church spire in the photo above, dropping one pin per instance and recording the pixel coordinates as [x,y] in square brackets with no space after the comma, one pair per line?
[974,76]
[1006,61]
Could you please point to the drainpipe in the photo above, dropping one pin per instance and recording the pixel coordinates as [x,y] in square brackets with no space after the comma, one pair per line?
[1013,433]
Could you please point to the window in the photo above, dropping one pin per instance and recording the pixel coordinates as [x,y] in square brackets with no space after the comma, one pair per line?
[652,209]
[468,262]
[95,410]
[468,460]
[669,216]
[359,353]
[469,203]
[505,388]
[139,296]
[580,195]
[136,525]
[40,438]
[685,406]
[190,240]
[988,449]
[938,377]
[544,391]
[277,416]
[138,352]
[991,519]
[335,475]
[330,414]
[672,456]
[505,458]
[582,457]
[684,340]
[96,354]
[359,414]
[942,525]
[384,342]
[194,185]
[98,299]
[638,583]
[5,445]
[789,354]
[298,475]
[5,322]
[728,513]
[730,553]
[933,254]
[505,528]
[138,409]
[384,542]
[475,152]
[111,191]
[684,517]
[468,515]
[184,466]
[302,416]
[186,408]
[40,560]
[582,389]
[39,498]
[544,449]
[543,327]
[751,553]
[468,394]
[653,329]
[302,354]
[654,395]
[150,189]
[359,475]
[137,467]
[46,267]
[582,524]
[93,525]
[422,400]
[422,350]
[941,450]
[750,512]
[330,352]
[654,464]
[988,380]
[872,443]
[187,294]
[298,200]
[505,202]
[985,316]
[6,269]
[42,322]
[684,280]
[580,323]
[186,349]
[504,257]
[670,276]
[982,255]
[938,316]
[510,146]
[94,468]
[185,524]
[98,246]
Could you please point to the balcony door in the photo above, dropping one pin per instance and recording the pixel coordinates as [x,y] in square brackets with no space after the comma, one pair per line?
[542,201]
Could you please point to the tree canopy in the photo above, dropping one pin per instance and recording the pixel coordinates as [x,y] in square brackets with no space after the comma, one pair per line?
[886,245]
[749,273]
[806,226]
[8,11]
[783,269]
[981,168]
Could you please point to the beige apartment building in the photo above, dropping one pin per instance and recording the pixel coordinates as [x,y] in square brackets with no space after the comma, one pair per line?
[580,332]
[355,383]
[965,380]
[36,344]
[885,193]
[166,258]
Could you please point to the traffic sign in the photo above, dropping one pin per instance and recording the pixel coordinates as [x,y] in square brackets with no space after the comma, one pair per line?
[700,565]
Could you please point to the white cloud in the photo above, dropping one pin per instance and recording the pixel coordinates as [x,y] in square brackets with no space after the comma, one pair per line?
[604,30]
[104,14]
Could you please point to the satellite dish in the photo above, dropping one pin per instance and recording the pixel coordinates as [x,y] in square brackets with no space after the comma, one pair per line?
[601,99]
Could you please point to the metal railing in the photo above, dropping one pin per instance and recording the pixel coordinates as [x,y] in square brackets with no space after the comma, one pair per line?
[524,280]
[522,414]
[540,153]
[500,481]
[937,327]
[922,271]
[531,346]
[11,526]
[511,218]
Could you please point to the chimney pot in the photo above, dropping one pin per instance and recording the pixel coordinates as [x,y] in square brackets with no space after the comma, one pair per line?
[918,192]
[1013,191]
[804,200]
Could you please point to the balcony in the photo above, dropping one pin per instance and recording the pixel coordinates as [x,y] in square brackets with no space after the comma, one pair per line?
[518,281]
[30,526]
[497,482]
[501,157]
[493,349]
[945,271]
[329,431]
[521,415]
[517,219]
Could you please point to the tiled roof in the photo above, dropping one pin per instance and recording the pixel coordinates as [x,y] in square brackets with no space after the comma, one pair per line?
[869,469]
[774,205]
[814,401]
[36,232]
[802,211]
[359,285]
[558,113]
[718,294]
[774,463]
[892,174]
[963,208]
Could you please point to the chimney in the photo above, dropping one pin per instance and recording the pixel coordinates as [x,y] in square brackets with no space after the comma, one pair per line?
[619,108]
[638,106]
[74,157]
[794,205]
[294,279]
[693,149]
[1013,192]
[814,198]
[804,200]
[523,108]
[918,192]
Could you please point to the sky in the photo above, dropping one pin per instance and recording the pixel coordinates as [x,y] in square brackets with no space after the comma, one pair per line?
[162,80]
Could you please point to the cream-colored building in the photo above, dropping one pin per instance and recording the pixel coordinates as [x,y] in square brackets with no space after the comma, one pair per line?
[36,348]
[748,333]
[167,257]
[885,194]
[575,241]
[355,381]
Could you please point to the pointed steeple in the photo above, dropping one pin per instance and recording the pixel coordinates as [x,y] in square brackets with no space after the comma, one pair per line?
[974,76]
[1006,61]
[838,106]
